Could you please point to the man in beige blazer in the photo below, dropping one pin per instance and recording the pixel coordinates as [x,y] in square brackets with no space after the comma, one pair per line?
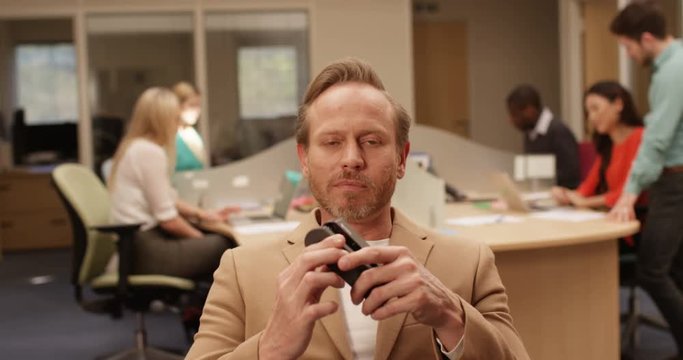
[432,297]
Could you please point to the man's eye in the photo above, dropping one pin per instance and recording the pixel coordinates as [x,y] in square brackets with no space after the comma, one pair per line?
[332,142]
[371,142]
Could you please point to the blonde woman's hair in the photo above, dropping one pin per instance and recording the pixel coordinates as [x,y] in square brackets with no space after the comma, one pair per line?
[155,117]
[184,91]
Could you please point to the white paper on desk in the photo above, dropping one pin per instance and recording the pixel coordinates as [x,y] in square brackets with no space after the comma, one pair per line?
[266,227]
[483,220]
[536,195]
[571,215]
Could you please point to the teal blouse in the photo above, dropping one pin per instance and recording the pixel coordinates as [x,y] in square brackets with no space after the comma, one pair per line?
[185,158]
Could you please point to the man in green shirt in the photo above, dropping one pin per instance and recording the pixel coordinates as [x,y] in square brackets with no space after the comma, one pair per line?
[641,28]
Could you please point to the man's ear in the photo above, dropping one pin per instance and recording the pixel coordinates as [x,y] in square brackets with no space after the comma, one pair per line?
[303,159]
[402,160]
[647,41]
[646,37]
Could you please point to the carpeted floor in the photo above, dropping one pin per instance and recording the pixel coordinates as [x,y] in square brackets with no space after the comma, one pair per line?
[42,321]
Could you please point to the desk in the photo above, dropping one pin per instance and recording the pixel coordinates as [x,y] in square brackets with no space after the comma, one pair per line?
[31,214]
[562,279]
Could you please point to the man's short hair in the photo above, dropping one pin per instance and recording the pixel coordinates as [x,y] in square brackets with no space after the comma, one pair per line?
[523,96]
[349,70]
[639,17]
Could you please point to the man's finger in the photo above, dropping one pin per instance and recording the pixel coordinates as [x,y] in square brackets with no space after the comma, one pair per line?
[313,283]
[318,311]
[395,306]
[310,260]
[372,255]
[375,277]
[335,240]
[381,295]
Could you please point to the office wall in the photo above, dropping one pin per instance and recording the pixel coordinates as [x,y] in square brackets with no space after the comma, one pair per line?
[379,31]
[510,42]
[601,51]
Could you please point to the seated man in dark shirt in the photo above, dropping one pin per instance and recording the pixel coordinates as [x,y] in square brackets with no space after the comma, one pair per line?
[545,134]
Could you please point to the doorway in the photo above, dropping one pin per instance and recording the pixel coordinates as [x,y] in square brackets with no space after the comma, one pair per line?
[441,75]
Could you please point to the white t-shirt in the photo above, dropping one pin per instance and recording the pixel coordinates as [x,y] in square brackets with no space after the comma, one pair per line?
[142,191]
[362,329]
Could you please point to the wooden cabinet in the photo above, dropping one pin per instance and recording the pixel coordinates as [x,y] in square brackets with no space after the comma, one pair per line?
[31,213]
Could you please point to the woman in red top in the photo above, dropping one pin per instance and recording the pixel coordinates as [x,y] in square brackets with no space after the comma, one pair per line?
[617,132]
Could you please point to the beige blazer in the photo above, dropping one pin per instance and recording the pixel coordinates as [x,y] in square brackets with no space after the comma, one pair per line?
[243,293]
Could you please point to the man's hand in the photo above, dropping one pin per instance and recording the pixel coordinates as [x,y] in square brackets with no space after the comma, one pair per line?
[402,284]
[623,209]
[297,303]
[220,215]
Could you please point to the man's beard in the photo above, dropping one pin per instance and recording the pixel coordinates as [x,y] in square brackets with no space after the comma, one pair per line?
[647,62]
[647,59]
[357,206]
[527,126]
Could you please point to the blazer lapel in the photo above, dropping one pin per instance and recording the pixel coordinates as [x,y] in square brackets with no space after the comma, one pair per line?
[334,324]
[404,233]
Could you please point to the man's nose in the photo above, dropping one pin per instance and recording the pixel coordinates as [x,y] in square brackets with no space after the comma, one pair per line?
[352,157]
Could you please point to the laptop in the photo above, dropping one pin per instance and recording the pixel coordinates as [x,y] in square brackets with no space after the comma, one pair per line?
[515,200]
[278,211]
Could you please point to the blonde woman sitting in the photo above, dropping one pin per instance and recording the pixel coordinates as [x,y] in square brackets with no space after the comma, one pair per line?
[141,192]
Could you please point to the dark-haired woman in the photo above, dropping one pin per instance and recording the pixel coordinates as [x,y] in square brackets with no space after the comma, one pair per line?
[618,129]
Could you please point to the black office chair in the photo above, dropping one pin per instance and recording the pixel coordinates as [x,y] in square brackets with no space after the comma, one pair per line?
[87,203]
[628,271]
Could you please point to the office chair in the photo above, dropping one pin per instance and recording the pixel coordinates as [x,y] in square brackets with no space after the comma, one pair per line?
[632,318]
[87,202]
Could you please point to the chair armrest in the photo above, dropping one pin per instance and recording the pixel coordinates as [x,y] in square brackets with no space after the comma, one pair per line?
[118,228]
[124,245]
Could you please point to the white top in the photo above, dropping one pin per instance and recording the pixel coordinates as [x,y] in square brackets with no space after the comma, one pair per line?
[542,124]
[142,191]
[362,329]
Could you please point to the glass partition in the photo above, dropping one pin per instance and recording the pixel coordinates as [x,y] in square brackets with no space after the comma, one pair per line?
[128,54]
[257,66]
